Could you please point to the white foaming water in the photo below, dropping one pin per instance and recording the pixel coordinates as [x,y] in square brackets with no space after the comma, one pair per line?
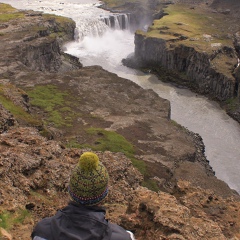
[221,134]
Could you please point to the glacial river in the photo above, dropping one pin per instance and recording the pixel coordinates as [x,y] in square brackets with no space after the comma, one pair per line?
[220,133]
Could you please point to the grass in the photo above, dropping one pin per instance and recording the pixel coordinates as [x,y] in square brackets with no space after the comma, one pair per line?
[115,3]
[106,141]
[9,219]
[183,21]
[199,29]
[55,102]
[111,141]
[18,112]
[62,25]
[150,184]
[58,19]
[7,13]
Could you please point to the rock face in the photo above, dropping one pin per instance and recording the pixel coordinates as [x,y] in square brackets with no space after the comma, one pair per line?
[35,47]
[182,51]
[198,66]
[150,10]
[35,173]
[34,170]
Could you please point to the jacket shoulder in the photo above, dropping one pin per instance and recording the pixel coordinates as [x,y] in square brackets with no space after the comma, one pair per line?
[119,233]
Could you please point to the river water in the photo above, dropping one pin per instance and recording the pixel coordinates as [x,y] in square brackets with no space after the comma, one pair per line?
[96,44]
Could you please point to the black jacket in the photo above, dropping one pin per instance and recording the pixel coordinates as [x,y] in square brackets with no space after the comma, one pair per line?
[76,222]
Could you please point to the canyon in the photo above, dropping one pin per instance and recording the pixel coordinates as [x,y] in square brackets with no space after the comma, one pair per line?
[162,176]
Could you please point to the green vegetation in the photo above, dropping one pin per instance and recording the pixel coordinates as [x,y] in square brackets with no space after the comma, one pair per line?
[150,184]
[8,13]
[191,26]
[55,103]
[58,19]
[106,141]
[18,112]
[62,24]
[140,165]
[114,3]
[9,219]
[111,141]
[232,104]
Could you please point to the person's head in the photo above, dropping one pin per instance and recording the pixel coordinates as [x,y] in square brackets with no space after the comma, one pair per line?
[89,180]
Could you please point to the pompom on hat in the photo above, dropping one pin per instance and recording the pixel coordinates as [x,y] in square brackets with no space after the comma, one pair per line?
[89,180]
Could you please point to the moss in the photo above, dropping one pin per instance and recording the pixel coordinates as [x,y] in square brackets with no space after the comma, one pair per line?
[150,184]
[111,141]
[7,13]
[58,19]
[140,165]
[183,21]
[9,219]
[52,100]
[18,112]
[115,3]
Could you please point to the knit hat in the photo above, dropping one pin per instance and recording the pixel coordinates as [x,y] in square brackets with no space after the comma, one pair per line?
[89,180]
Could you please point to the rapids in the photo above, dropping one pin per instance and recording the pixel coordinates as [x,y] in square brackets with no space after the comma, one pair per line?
[97,44]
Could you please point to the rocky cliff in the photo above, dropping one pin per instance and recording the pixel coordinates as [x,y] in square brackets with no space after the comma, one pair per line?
[200,69]
[52,110]
[201,53]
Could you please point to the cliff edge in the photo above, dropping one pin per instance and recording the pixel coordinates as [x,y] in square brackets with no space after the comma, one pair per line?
[195,44]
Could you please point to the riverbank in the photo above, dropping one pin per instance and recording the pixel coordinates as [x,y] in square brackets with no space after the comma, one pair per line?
[183,48]
[44,91]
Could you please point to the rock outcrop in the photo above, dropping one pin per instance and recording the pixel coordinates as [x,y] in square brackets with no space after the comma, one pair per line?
[198,66]
[35,173]
[206,59]
[35,46]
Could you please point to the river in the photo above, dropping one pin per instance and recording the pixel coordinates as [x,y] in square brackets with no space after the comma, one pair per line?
[96,44]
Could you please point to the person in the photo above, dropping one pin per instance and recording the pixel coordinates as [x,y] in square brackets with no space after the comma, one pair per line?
[84,217]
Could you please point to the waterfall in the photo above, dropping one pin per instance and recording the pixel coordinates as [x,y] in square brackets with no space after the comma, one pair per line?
[90,28]
[117,21]
[97,27]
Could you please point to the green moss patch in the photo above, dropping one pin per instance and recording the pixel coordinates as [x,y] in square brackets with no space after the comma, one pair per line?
[7,13]
[110,141]
[9,219]
[103,140]
[115,3]
[197,28]
[55,103]
[18,112]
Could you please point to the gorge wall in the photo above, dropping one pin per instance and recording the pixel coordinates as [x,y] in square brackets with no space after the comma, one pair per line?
[197,67]
[200,53]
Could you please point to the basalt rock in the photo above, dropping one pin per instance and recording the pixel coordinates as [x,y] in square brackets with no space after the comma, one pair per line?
[208,67]
[198,66]
[36,46]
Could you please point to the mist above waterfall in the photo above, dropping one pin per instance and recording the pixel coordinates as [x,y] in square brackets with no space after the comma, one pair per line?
[107,49]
